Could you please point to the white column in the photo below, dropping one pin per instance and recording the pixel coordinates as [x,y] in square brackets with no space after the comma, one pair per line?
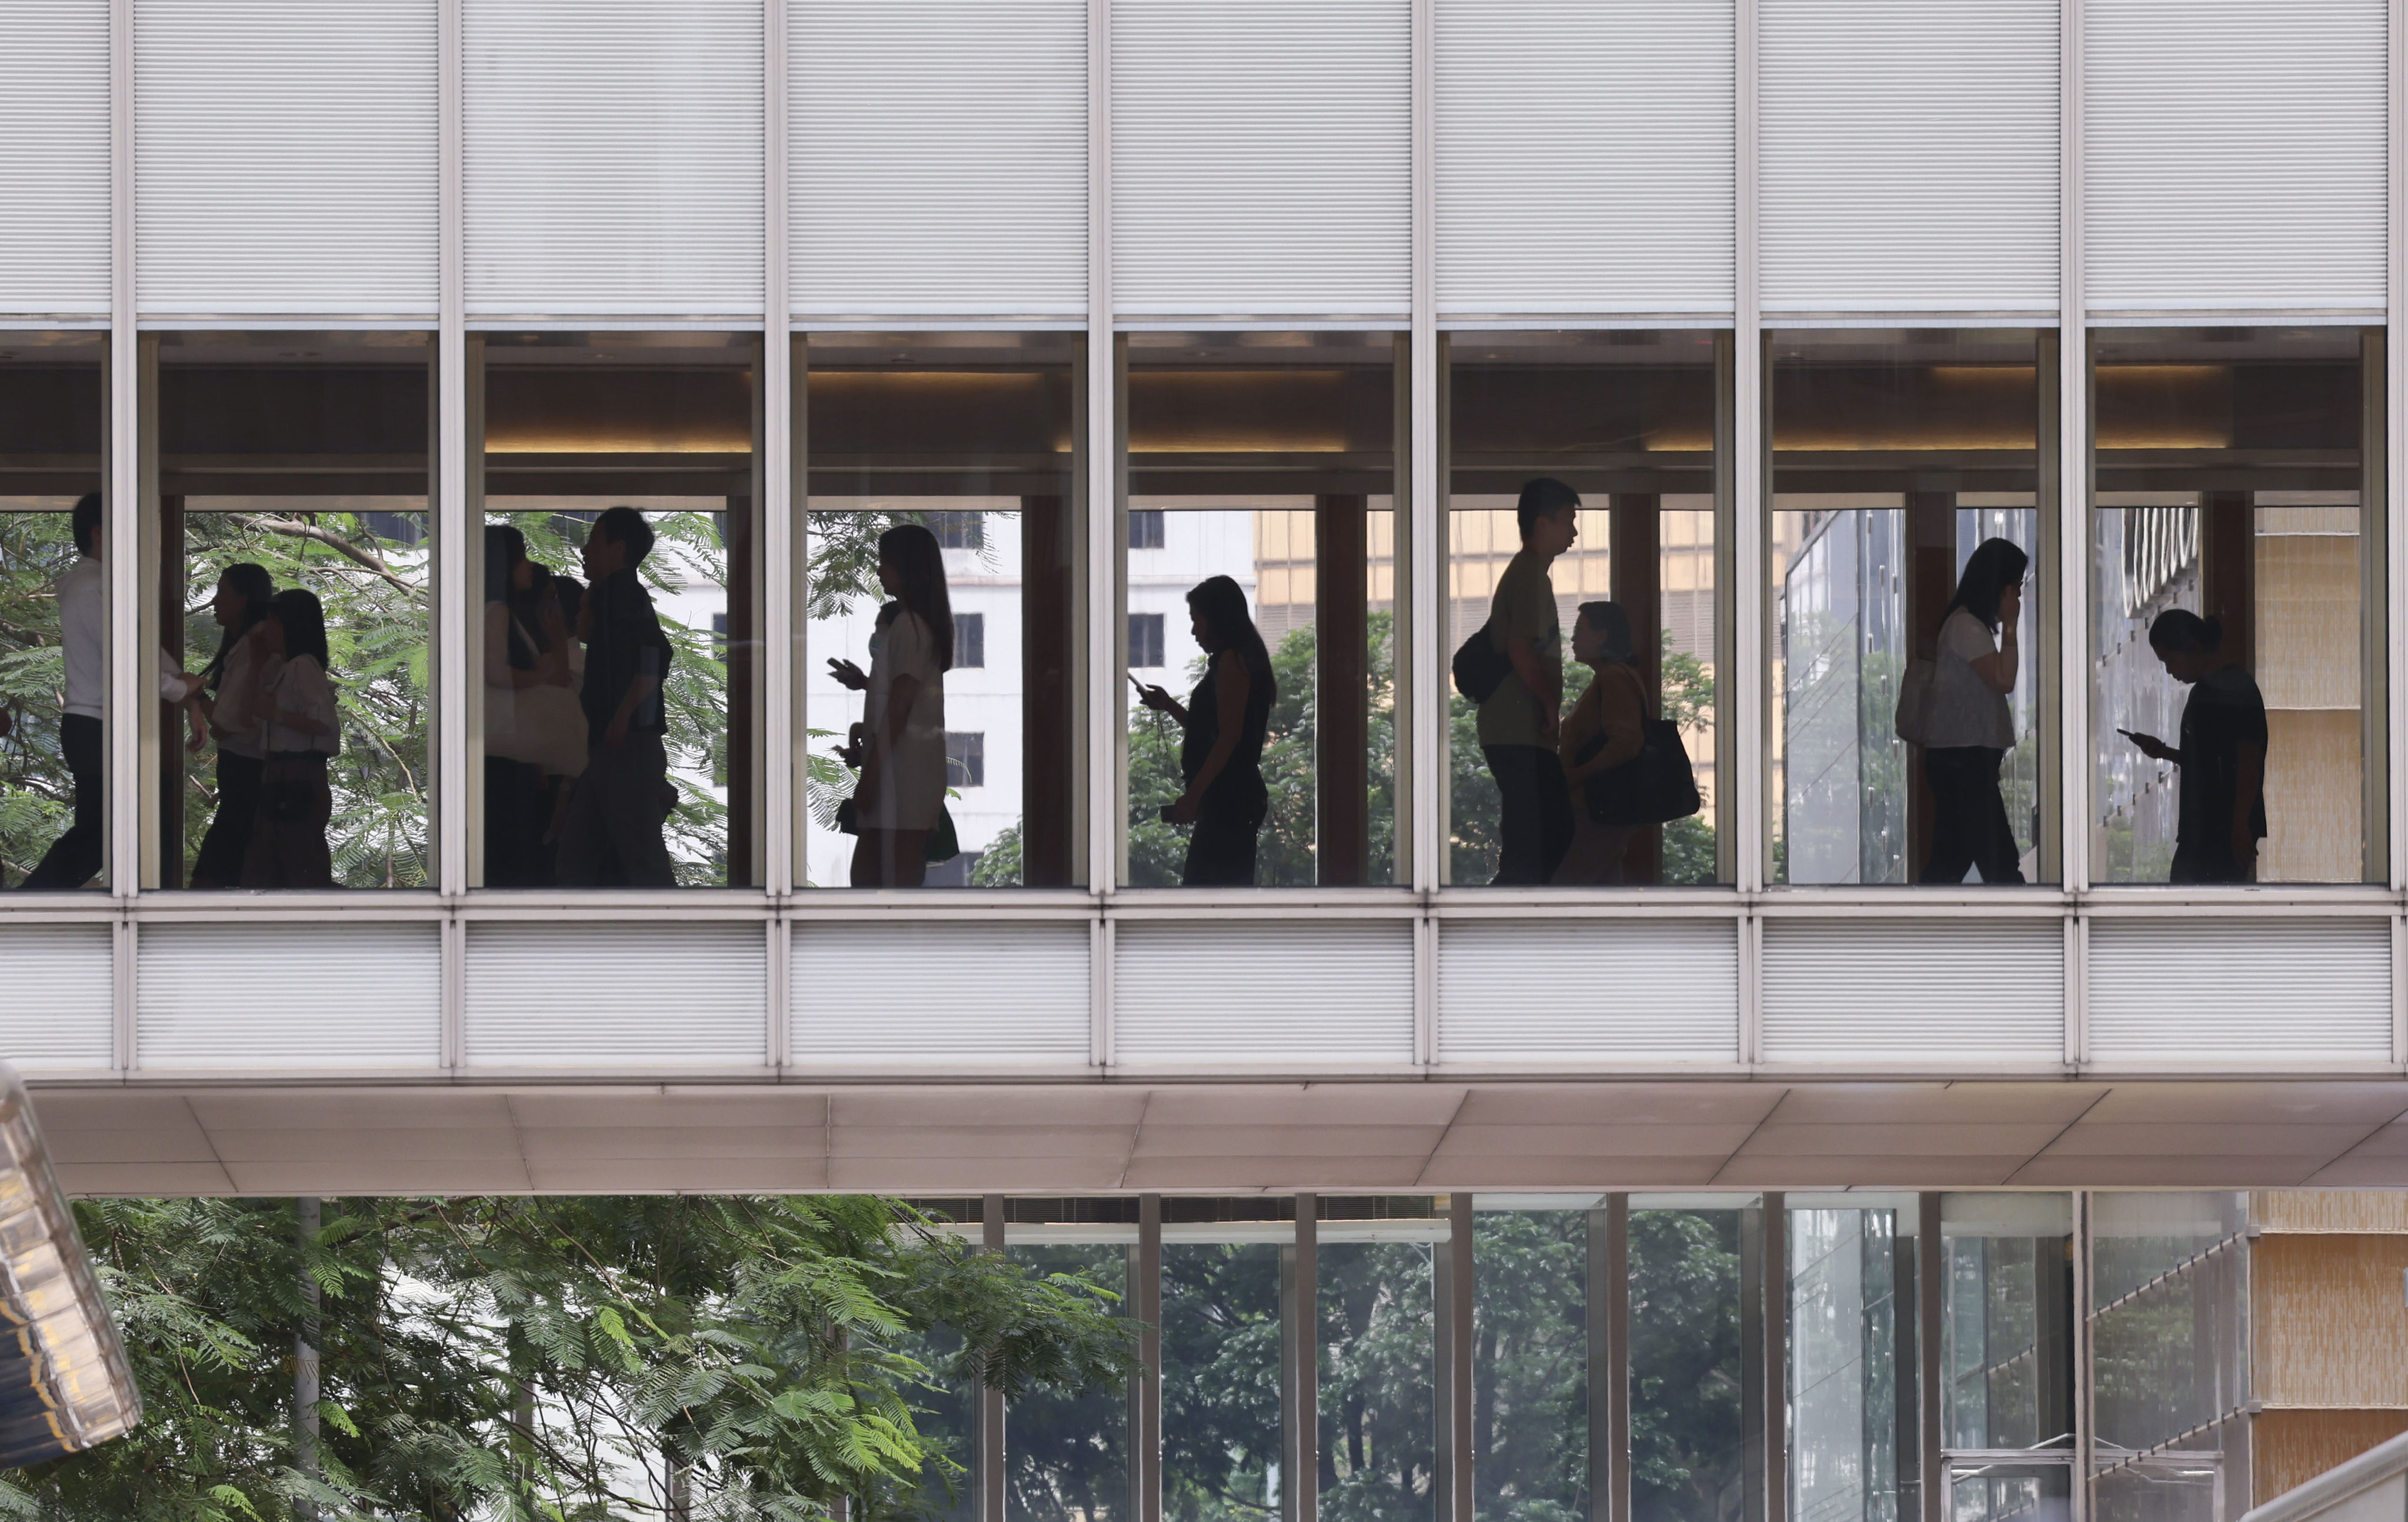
[2074,469]
[121,531]
[455,679]
[1748,476]
[780,533]
[1105,716]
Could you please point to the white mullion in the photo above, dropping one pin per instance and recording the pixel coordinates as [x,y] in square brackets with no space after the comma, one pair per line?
[2394,361]
[775,625]
[1103,507]
[121,530]
[2072,604]
[455,681]
[1751,469]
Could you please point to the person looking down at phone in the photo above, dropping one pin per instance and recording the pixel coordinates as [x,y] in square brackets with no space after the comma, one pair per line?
[899,745]
[1225,721]
[1971,726]
[2222,814]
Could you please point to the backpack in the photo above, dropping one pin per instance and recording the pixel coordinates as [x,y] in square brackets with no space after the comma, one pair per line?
[1653,787]
[1480,667]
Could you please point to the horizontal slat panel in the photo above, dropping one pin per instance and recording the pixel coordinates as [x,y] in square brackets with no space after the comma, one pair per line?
[285,155]
[57,997]
[1588,991]
[1261,156]
[1260,993]
[1909,157]
[54,157]
[613,156]
[965,192]
[956,995]
[2240,991]
[2236,153]
[1557,196]
[1907,990]
[289,995]
[665,994]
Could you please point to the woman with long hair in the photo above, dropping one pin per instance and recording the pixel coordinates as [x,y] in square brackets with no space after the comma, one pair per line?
[1221,753]
[288,839]
[2222,814]
[530,709]
[232,680]
[1606,728]
[899,745]
[1968,727]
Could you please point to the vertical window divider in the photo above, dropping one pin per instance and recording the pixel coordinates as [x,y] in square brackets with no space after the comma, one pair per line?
[1422,764]
[1453,1286]
[1609,1342]
[1930,1283]
[2072,465]
[779,498]
[1300,1410]
[126,812]
[2395,449]
[1104,478]
[988,1452]
[2085,1436]
[1144,1303]
[1751,480]
[458,795]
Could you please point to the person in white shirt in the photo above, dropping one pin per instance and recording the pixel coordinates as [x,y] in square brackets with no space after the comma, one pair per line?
[298,720]
[75,858]
[1969,727]
[233,677]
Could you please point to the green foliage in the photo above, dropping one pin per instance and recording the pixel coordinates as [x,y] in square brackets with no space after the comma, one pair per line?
[550,1359]
[36,792]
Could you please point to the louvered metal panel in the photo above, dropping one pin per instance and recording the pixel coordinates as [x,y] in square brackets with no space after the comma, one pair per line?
[659,994]
[57,997]
[2235,153]
[613,156]
[285,155]
[1261,157]
[1909,155]
[287,994]
[938,156]
[1584,156]
[2240,991]
[1943,991]
[956,995]
[54,157]
[1259,993]
[1554,991]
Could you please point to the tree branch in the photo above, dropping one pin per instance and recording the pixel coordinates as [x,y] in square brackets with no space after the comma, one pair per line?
[296,529]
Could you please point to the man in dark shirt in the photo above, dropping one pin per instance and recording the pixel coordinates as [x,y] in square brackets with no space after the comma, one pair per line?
[622,802]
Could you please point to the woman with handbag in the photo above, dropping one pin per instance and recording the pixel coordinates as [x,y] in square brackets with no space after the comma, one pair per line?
[1606,729]
[1225,720]
[232,680]
[899,745]
[1967,724]
[288,837]
[534,729]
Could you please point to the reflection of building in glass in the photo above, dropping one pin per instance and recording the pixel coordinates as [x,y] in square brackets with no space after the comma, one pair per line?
[1843,650]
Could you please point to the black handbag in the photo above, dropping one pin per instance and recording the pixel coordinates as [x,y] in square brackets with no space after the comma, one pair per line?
[1480,666]
[1653,787]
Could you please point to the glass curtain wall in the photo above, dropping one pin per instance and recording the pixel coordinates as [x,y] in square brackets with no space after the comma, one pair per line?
[53,611]
[1260,538]
[1632,424]
[1911,720]
[968,444]
[293,577]
[2238,658]
[617,734]
[1375,1282]
[2007,1368]
[1852,1366]
[1694,1267]
[1537,1278]
[2169,1298]
[1228,1293]
[1065,1458]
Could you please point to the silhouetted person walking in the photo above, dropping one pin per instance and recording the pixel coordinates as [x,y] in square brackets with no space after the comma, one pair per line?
[621,801]
[899,745]
[287,835]
[1224,721]
[1519,721]
[232,679]
[1609,725]
[1967,726]
[2222,815]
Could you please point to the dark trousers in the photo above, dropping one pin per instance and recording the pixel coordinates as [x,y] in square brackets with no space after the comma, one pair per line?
[618,807]
[518,812]
[218,861]
[1969,817]
[74,859]
[1534,814]
[1228,825]
[2202,864]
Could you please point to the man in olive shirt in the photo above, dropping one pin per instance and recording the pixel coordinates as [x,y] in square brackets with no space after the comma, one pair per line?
[1517,723]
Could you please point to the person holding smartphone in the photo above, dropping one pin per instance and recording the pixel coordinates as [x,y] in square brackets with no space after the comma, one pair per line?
[2222,814]
[1224,721]
[1970,727]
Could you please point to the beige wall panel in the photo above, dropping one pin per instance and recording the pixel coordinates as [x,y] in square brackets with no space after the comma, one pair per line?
[2371,1212]
[2313,797]
[2307,618]
[2331,1326]
[2291,1447]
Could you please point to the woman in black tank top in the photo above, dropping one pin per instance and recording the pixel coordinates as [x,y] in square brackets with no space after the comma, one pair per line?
[1221,755]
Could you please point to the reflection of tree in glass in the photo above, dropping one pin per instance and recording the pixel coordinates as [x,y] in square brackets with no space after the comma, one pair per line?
[35,789]
[1067,1453]
[1529,1411]
[1376,1431]
[1221,1384]
[1685,1366]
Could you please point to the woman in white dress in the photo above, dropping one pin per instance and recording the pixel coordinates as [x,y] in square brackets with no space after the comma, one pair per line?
[899,745]
[1970,726]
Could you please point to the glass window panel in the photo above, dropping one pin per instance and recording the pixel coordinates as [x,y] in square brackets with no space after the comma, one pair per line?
[2231,468]
[1629,420]
[974,438]
[2006,1322]
[592,442]
[1271,461]
[1222,1381]
[1530,1367]
[1378,1426]
[2169,1349]
[1687,1379]
[2010,1493]
[1065,1457]
[53,409]
[1896,456]
[1851,1364]
[293,491]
